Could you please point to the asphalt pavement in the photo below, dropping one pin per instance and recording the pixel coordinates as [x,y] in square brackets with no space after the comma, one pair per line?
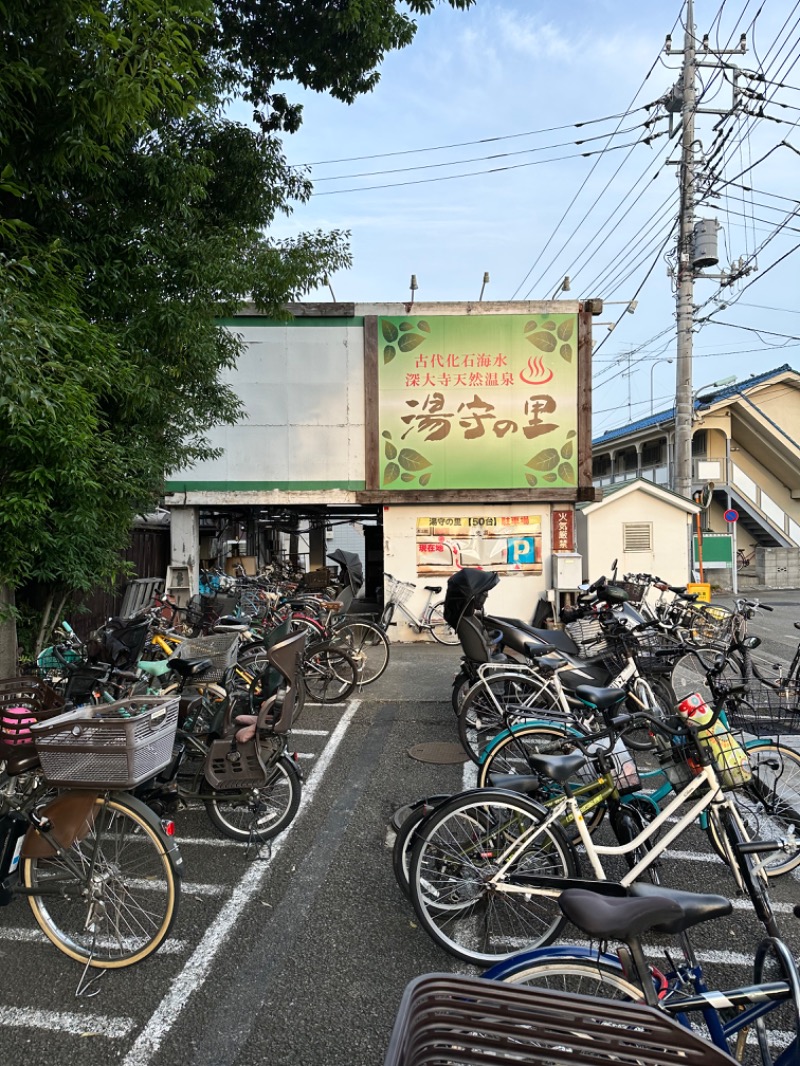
[299,956]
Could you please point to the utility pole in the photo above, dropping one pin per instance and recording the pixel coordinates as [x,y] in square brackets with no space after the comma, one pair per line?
[690,261]
[685,269]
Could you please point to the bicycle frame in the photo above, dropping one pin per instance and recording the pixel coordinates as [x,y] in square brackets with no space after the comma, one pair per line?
[705,782]
[749,1003]
[421,622]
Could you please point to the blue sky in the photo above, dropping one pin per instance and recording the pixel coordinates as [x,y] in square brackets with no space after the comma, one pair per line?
[517,76]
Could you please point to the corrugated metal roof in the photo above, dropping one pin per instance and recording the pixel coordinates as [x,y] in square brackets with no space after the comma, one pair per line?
[709,397]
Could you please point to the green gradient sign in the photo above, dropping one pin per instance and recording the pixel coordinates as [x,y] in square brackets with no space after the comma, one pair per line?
[478,401]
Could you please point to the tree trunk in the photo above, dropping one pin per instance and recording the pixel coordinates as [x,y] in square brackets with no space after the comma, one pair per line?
[8,633]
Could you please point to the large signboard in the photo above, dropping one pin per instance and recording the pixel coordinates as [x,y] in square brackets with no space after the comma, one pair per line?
[478,401]
[506,545]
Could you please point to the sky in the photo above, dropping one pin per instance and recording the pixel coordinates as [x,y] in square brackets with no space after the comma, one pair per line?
[464,161]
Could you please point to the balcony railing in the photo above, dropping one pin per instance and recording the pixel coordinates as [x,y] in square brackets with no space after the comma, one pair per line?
[725,474]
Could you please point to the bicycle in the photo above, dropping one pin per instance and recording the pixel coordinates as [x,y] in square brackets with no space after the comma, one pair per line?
[744,558]
[232,754]
[100,872]
[725,1015]
[429,620]
[488,865]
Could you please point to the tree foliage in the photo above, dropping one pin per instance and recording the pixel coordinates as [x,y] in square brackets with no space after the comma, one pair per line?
[133,215]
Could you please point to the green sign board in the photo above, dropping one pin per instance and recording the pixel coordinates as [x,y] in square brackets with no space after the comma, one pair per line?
[478,401]
[717,550]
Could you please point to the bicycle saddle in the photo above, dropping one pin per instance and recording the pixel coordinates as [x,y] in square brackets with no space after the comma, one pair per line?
[615,917]
[558,768]
[696,906]
[600,697]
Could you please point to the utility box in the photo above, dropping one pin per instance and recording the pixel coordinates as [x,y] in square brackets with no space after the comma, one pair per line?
[567,571]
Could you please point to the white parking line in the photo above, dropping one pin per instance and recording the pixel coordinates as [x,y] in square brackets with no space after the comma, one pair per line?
[196,970]
[36,936]
[75,1024]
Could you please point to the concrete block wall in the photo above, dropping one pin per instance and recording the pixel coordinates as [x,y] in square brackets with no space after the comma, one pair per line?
[778,567]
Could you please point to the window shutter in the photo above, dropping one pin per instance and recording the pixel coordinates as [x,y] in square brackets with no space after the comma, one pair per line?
[637,536]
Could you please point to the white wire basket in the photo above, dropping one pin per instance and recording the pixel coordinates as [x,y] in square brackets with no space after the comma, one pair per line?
[399,591]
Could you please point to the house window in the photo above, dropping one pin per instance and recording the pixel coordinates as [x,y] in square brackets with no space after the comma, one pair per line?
[700,444]
[637,536]
[653,453]
[601,466]
[628,461]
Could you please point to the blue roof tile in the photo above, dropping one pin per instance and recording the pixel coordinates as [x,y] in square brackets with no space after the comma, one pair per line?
[669,414]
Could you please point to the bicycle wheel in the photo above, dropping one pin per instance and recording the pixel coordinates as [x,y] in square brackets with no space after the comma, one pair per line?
[462,683]
[754,879]
[260,812]
[689,674]
[511,755]
[407,835]
[581,976]
[660,700]
[330,673]
[498,700]
[368,645]
[769,805]
[441,631]
[387,615]
[778,1031]
[471,892]
[109,901]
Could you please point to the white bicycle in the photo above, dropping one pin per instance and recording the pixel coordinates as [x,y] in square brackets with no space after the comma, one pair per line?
[431,617]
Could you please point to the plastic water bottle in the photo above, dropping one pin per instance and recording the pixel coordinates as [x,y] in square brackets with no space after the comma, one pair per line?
[729,756]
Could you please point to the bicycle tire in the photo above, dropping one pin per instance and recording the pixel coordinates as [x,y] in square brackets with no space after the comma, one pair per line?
[406,836]
[441,631]
[689,674]
[117,930]
[580,975]
[462,683]
[261,812]
[456,853]
[490,703]
[754,881]
[774,962]
[510,756]
[367,644]
[387,615]
[664,703]
[330,674]
[769,804]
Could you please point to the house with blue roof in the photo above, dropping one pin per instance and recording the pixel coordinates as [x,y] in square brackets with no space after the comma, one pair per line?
[745,457]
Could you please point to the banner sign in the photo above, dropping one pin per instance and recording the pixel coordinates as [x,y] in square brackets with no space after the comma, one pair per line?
[563,530]
[478,401]
[507,545]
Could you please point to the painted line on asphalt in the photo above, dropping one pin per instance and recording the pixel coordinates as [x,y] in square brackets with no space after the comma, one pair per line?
[198,966]
[65,1022]
[36,936]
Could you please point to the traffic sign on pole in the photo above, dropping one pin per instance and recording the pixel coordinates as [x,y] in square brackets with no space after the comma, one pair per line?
[731,515]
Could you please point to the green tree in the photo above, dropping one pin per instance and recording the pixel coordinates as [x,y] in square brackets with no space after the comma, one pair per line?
[134,215]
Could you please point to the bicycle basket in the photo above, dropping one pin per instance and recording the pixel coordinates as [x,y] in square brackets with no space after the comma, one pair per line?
[399,591]
[24,701]
[113,745]
[590,637]
[221,648]
[766,711]
[455,1020]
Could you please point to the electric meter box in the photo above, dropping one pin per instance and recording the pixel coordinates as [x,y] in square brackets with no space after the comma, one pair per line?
[567,571]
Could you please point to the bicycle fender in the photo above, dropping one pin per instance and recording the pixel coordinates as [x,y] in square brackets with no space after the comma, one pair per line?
[71,816]
[549,723]
[502,971]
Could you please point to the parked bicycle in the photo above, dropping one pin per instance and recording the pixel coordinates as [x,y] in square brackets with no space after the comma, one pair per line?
[770,1004]
[100,872]
[488,865]
[430,618]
